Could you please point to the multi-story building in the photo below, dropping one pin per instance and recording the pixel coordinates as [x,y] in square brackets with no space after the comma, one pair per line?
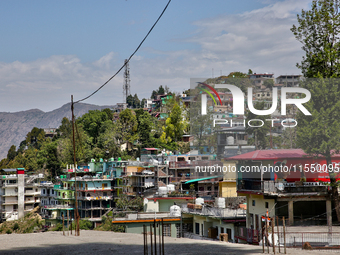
[48,197]
[97,184]
[143,179]
[19,193]
[280,183]
[291,80]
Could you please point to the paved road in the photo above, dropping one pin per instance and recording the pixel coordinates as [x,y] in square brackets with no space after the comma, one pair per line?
[100,242]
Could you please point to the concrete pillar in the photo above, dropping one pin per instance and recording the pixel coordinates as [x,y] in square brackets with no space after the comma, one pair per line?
[329,214]
[291,213]
[248,223]
[21,192]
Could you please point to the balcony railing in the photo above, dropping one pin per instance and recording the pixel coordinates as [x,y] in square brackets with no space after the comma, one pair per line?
[58,206]
[95,198]
[248,234]
[281,187]
[214,211]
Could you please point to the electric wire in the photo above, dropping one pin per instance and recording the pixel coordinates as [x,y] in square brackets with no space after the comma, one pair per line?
[125,63]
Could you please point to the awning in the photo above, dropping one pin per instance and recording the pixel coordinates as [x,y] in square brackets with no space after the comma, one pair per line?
[202,179]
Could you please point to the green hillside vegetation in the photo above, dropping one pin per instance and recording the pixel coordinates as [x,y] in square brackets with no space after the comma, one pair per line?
[32,222]
[98,134]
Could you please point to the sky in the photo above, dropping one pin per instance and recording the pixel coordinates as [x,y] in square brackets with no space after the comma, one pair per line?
[50,50]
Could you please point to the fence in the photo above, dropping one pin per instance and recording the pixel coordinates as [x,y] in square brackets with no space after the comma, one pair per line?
[154,248]
[272,236]
[315,239]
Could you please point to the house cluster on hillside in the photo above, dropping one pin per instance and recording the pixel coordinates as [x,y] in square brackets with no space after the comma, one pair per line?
[193,201]
[216,193]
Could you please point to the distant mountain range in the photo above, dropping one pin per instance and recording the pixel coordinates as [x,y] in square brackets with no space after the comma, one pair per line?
[15,126]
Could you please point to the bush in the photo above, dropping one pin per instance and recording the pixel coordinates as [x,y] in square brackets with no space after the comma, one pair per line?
[83,224]
[15,226]
[58,227]
[9,231]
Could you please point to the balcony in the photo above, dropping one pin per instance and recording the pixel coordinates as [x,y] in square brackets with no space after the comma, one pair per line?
[180,164]
[10,202]
[213,211]
[272,187]
[95,198]
[10,185]
[32,201]
[10,193]
[58,207]
[32,193]
[93,188]
[180,179]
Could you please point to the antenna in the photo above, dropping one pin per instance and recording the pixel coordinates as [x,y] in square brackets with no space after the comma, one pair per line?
[126,85]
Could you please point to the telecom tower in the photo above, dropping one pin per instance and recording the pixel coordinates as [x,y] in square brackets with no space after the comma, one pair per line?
[126,86]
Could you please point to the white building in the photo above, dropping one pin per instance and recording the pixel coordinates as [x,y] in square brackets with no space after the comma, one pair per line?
[19,193]
[48,196]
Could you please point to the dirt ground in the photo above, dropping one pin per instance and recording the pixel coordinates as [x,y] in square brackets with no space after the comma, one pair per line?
[100,242]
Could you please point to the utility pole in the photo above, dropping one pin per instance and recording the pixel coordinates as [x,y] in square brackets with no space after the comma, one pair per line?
[76,214]
[126,86]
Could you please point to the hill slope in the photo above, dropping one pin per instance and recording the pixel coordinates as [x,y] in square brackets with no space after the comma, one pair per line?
[15,126]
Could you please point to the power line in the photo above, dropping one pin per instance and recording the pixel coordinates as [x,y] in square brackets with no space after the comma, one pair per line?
[127,61]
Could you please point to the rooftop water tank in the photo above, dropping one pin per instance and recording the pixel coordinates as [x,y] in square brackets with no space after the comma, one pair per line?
[162,190]
[199,201]
[175,211]
[219,202]
[171,187]
[230,140]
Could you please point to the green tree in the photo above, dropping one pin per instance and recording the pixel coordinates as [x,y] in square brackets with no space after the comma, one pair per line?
[174,125]
[318,31]
[161,90]
[128,126]
[268,83]
[92,123]
[65,129]
[319,133]
[48,158]
[129,101]
[11,153]
[136,101]
[35,137]
[145,129]
[154,94]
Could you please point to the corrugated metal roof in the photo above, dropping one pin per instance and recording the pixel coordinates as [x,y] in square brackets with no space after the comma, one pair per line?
[274,154]
[202,179]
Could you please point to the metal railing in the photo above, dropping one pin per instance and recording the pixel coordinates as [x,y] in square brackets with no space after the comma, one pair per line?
[316,239]
[215,211]
[270,186]
[247,234]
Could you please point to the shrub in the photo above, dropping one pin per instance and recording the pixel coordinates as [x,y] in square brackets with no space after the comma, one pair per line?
[58,227]
[15,226]
[83,224]
[9,231]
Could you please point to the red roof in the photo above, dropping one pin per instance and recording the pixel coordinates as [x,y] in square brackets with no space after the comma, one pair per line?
[274,154]
[150,149]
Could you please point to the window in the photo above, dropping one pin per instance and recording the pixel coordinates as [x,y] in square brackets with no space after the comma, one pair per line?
[267,205]
[44,191]
[167,230]
[253,202]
